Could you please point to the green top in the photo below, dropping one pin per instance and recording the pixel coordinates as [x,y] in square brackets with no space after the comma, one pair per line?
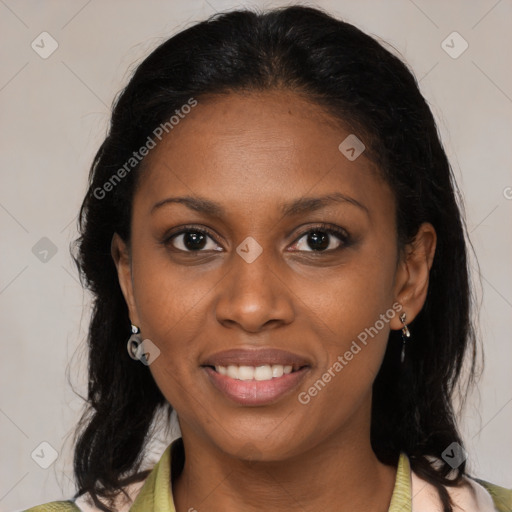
[156,493]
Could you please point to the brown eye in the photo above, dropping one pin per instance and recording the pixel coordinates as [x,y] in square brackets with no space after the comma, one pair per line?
[322,239]
[192,240]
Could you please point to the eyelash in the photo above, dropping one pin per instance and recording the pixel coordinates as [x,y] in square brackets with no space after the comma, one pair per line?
[330,229]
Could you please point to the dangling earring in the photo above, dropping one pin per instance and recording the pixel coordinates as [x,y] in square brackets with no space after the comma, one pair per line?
[405,334]
[134,345]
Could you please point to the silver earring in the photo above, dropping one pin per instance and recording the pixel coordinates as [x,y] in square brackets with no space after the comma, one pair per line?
[405,334]
[134,345]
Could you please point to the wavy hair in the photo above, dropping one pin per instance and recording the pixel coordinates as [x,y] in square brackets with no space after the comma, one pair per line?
[363,85]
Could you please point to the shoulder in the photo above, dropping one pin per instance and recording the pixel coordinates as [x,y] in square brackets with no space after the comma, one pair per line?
[84,502]
[55,506]
[121,503]
[501,496]
[473,494]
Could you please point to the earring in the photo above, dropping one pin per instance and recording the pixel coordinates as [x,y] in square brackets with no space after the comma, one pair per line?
[134,345]
[405,334]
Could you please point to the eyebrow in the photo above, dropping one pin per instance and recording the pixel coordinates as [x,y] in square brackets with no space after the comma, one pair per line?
[302,205]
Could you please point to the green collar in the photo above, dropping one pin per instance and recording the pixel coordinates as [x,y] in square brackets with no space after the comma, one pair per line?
[156,493]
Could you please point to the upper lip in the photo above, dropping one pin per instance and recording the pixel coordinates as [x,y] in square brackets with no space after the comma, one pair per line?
[256,357]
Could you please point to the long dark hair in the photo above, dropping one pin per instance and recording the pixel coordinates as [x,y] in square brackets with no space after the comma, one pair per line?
[360,83]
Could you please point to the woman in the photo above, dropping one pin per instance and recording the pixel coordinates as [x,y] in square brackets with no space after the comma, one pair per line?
[271,232]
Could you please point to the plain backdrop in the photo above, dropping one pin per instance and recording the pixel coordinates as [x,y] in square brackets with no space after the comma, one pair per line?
[54,115]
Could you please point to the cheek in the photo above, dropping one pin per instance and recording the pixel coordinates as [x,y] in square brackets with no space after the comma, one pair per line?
[342,383]
[168,296]
[358,307]
[357,293]
[170,302]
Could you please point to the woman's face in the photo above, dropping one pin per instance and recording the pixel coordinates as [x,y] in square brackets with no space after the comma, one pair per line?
[258,271]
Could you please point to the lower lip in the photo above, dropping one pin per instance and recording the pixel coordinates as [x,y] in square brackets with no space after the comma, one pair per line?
[255,392]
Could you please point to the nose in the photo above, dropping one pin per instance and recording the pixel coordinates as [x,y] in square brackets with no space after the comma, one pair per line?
[253,296]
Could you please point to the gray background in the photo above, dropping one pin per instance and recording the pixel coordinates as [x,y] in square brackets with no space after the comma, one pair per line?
[54,116]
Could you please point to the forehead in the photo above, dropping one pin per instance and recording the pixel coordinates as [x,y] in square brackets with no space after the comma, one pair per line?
[253,147]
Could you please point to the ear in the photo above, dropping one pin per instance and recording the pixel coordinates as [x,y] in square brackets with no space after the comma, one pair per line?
[412,276]
[122,260]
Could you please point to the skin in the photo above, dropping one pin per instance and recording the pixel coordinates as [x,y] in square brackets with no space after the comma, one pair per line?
[251,153]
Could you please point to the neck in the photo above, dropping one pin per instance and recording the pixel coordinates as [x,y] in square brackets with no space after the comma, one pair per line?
[339,474]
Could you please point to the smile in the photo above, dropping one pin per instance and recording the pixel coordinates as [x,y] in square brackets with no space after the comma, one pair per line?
[261,385]
[259,373]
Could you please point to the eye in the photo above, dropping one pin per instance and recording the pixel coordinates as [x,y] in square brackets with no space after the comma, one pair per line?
[192,239]
[320,239]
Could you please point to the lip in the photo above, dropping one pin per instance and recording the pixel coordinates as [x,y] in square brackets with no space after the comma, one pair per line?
[256,357]
[254,392]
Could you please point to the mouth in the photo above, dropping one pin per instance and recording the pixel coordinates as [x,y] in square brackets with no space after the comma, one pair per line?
[257,376]
[260,373]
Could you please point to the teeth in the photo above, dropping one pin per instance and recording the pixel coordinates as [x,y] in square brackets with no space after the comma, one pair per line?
[232,371]
[246,372]
[277,370]
[264,372]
